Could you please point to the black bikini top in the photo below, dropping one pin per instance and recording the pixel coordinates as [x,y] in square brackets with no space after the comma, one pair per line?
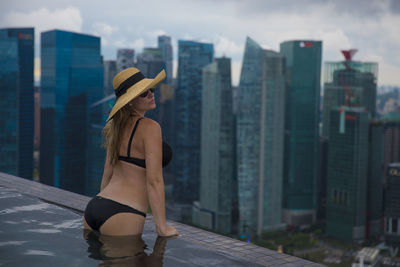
[166,152]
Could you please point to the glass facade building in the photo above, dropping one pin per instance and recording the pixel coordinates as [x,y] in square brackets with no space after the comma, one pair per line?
[72,79]
[260,139]
[392,143]
[164,44]
[167,120]
[392,206]
[375,179]
[17,101]
[349,83]
[96,154]
[217,149]
[303,78]
[192,57]
[347,173]
[125,59]
[110,70]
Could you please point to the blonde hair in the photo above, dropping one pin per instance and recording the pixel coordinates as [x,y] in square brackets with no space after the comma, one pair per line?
[112,131]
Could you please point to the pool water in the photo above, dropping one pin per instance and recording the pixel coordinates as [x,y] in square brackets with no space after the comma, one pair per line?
[36,233]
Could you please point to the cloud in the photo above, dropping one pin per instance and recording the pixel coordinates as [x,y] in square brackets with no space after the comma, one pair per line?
[43,19]
[137,44]
[227,47]
[368,8]
[371,27]
[394,6]
[104,29]
[333,40]
[156,33]
[388,73]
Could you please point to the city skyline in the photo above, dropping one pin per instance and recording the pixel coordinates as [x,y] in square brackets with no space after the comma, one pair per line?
[268,181]
[339,24]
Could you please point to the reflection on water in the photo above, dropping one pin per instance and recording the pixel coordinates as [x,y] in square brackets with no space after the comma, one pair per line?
[124,250]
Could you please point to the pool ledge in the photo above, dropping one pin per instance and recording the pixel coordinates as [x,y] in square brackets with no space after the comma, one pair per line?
[206,239]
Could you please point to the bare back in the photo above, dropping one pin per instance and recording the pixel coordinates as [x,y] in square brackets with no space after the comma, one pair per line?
[128,182]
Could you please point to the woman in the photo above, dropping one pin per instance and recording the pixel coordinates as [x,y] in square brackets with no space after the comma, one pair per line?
[132,179]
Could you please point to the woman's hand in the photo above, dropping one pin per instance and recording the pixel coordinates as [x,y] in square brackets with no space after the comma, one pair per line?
[167,231]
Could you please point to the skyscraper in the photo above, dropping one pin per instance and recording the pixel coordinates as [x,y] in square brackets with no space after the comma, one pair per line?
[72,79]
[96,154]
[167,120]
[213,211]
[125,59]
[322,176]
[349,83]
[192,57]
[347,173]
[391,143]
[260,143]
[392,206]
[303,76]
[110,70]
[375,179]
[17,101]
[164,44]
[150,62]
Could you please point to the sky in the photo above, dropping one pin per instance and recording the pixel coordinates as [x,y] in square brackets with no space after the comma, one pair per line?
[367,25]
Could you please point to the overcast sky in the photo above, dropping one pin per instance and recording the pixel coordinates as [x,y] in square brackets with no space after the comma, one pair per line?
[368,25]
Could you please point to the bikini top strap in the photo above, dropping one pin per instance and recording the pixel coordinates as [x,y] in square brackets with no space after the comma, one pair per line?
[130,139]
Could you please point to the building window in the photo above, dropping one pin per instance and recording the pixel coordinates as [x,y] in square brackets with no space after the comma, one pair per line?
[334,196]
[394,226]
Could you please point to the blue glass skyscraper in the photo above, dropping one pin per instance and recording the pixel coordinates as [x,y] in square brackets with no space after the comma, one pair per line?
[192,57]
[17,103]
[303,83]
[164,44]
[96,154]
[260,143]
[72,79]
[347,181]
[375,178]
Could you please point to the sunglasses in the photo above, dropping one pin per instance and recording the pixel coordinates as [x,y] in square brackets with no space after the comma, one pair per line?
[147,92]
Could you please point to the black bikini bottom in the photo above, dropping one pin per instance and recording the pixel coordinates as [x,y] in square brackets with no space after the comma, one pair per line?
[100,209]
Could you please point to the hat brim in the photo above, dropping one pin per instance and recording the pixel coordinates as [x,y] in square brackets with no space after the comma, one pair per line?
[133,92]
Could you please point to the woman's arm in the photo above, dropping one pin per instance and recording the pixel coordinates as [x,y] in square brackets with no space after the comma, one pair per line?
[154,177]
[107,174]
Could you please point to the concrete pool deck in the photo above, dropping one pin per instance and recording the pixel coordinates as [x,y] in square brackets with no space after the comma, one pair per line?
[43,224]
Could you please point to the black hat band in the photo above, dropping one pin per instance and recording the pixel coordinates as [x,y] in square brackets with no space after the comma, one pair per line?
[135,78]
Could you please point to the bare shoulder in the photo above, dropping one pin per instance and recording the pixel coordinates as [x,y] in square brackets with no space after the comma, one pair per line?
[150,126]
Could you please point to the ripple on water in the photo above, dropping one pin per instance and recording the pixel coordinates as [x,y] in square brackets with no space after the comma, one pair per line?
[44,231]
[33,207]
[12,243]
[76,223]
[39,252]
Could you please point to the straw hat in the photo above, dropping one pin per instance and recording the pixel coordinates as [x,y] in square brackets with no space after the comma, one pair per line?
[130,83]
